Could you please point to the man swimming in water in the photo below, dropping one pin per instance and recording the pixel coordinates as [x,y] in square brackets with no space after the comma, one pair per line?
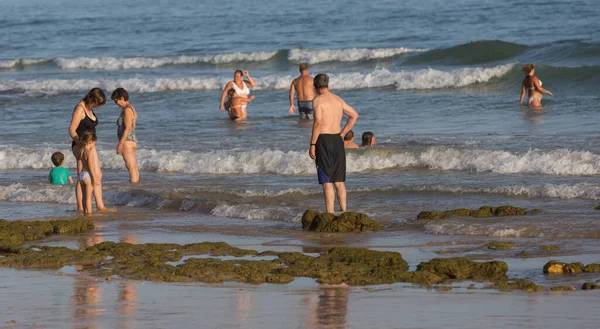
[327,144]
[303,85]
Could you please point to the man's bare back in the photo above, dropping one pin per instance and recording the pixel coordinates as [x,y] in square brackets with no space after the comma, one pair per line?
[304,88]
[331,108]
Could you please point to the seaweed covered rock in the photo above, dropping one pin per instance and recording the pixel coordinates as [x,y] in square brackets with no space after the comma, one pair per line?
[344,223]
[592,268]
[519,284]
[563,288]
[550,247]
[354,266]
[554,267]
[461,268]
[15,233]
[482,212]
[590,286]
[499,245]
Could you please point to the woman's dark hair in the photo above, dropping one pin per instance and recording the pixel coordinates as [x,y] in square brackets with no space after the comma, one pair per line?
[94,98]
[238,71]
[120,93]
[367,138]
[88,136]
[230,93]
[349,135]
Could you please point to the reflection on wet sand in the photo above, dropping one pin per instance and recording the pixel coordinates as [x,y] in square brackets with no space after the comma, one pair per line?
[127,306]
[331,309]
[86,302]
[244,303]
[87,299]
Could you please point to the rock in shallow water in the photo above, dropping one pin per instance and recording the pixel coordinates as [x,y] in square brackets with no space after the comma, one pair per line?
[483,212]
[345,223]
[554,267]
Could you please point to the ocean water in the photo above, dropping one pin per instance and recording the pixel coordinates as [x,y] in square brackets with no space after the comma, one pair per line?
[437,82]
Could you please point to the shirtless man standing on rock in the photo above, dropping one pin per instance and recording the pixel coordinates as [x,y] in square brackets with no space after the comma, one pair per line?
[303,85]
[327,143]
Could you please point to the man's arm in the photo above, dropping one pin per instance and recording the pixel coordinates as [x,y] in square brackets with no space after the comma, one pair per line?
[316,131]
[292,92]
[352,117]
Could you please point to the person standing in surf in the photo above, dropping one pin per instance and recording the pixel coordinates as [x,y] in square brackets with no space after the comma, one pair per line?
[126,132]
[327,143]
[533,85]
[242,89]
[303,85]
[83,120]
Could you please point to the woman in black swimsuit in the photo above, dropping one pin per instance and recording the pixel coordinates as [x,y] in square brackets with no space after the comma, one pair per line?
[84,119]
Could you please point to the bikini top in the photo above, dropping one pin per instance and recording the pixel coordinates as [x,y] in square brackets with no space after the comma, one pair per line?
[243,91]
[533,85]
[87,124]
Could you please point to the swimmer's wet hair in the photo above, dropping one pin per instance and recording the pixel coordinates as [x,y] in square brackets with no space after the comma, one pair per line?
[303,67]
[367,138]
[94,98]
[321,81]
[120,93]
[57,158]
[230,93]
[349,135]
[87,137]
[528,68]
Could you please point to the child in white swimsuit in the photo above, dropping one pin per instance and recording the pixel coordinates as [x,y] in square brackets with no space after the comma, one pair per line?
[88,159]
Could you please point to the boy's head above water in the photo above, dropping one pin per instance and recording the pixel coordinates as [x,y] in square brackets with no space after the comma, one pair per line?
[58,159]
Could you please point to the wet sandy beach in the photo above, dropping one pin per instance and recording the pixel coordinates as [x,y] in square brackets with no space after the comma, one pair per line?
[69,298]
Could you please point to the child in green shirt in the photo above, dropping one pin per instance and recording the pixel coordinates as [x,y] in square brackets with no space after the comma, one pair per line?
[59,175]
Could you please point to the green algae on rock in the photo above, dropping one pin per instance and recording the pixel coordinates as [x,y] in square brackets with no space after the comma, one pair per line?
[344,223]
[563,288]
[550,247]
[461,268]
[555,267]
[482,212]
[590,286]
[165,262]
[519,284]
[15,233]
[499,245]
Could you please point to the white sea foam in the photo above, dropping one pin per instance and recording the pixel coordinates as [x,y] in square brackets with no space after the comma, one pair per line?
[421,79]
[45,194]
[267,161]
[311,56]
[255,212]
[314,56]
[21,62]
[463,228]
[128,63]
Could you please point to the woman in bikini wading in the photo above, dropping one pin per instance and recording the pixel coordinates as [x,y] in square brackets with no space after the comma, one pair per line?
[241,87]
[126,124]
[533,85]
[84,119]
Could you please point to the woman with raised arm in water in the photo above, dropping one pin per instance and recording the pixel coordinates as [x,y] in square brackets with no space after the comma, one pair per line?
[83,120]
[242,89]
[533,85]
